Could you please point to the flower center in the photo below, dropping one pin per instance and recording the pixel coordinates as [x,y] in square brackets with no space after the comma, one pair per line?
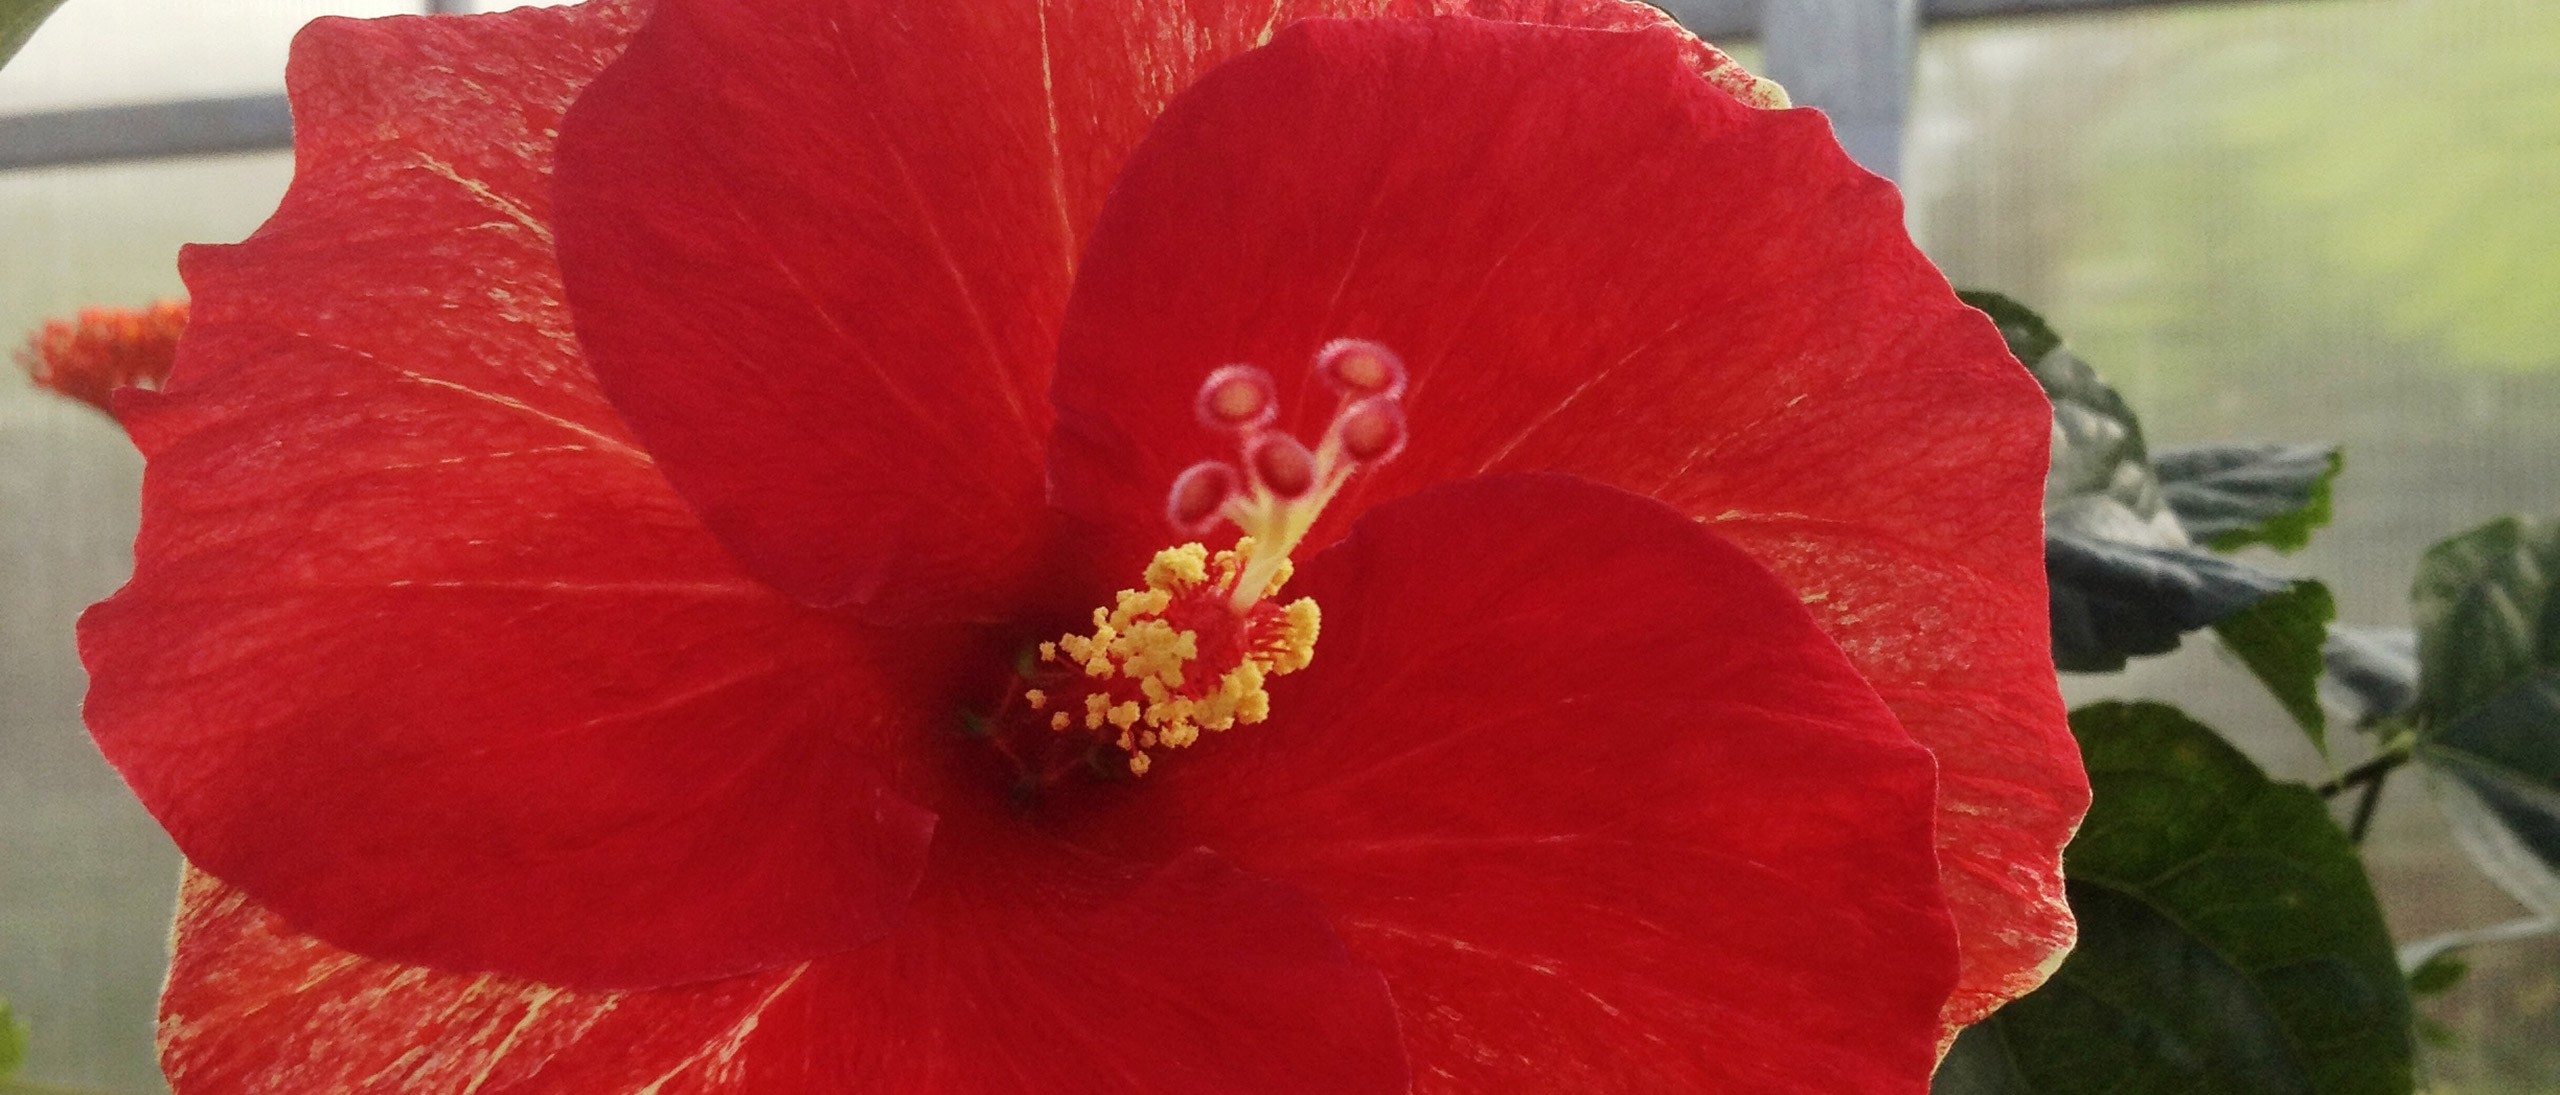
[1190,649]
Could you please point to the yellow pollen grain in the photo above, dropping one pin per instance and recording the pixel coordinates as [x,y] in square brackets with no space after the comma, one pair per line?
[1061,721]
[1124,715]
[1139,763]
[1048,652]
[1038,699]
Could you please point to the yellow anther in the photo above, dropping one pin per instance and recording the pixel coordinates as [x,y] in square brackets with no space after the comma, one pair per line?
[1048,652]
[1139,763]
[1171,696]
[1178,570]
[1296,644]
[1038,699]
[1137,605]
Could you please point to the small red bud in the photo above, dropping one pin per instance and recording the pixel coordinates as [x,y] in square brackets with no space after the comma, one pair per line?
[1372,430]
[1237,398]
[1200,495]
[1356,367]
[1282,465]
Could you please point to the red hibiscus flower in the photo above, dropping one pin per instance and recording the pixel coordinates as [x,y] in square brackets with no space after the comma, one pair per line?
[657,577]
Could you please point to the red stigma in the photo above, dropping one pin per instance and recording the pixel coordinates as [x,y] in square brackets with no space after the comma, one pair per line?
[1200,495]
[1276,485]
[1282,465]
[1238,398]
[1358,368]
[1372,430]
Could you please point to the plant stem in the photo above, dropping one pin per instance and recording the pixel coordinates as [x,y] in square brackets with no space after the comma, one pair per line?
[2369,772]
[2364,806]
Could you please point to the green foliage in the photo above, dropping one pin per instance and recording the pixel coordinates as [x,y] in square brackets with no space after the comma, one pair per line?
[2488,621]
[2372,677]
[2446,231]
[2230,496]
[2101,477]
[13,1042]
[2125,575]
[18,20]
[2404,197]
[2438,974]
[2487,607]
[2229,940]
[2280,640]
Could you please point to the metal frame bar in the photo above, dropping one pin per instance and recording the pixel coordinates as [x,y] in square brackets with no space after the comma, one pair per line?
[107,134]
[1736,20]
[1853,59]
[1805,40]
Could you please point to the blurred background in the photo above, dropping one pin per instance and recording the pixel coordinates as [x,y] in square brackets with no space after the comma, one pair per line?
[2293,220]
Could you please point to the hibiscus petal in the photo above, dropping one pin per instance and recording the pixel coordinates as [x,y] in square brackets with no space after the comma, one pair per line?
[1597,796]
[419,647]
[1594,262]
[818,250]
[1194,978]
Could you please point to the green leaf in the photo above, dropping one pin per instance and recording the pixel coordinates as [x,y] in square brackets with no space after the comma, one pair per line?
[2487,605]
[2112,601]
[2372,674]
[18,20]
[2101,480]
[2126,579]
[2486,615]
[2229,939]
[13,1042]
[2438,974]
[2229,496]
[2513,840]
[2280,640]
